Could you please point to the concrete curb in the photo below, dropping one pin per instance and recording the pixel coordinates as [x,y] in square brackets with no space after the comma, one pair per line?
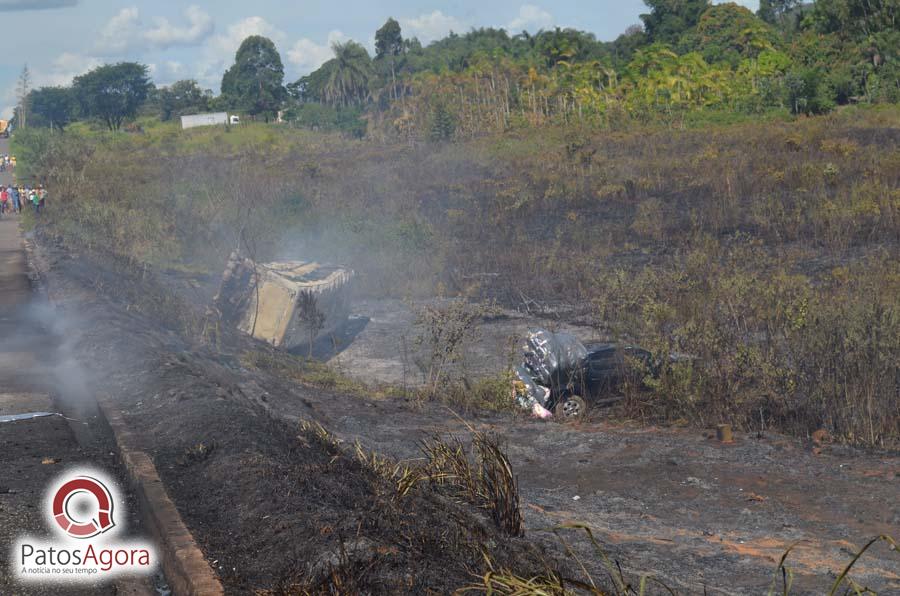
[183,563]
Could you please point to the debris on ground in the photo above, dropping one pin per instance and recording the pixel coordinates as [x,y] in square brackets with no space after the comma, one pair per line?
[28,416]
[287,303]
[552,358]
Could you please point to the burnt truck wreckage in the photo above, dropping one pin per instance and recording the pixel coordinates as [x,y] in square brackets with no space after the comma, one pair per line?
[561,376]
[286,303]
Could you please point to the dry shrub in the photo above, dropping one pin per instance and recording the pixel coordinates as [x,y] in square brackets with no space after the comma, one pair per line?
[445,328]
[486,481]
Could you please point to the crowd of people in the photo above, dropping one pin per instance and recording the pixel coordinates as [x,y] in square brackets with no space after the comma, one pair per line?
[7,163]
[15,198]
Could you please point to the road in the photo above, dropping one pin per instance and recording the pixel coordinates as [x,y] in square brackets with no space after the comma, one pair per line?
[32,452]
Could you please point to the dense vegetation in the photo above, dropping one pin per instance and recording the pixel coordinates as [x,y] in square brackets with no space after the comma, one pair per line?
[688,57]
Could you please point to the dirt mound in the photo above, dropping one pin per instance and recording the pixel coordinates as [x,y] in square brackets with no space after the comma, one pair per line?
[285,508]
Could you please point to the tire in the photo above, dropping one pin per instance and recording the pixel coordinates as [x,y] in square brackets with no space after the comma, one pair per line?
[572,408]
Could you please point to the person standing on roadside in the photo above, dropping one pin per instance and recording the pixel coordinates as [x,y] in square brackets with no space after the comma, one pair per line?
[14,197]
[4,200]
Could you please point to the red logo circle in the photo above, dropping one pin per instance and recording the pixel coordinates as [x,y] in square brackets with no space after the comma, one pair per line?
[72,525]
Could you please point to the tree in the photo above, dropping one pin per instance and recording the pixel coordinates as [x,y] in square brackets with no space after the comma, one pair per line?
[668,20]
[255,82]
[870,33]
[23,91]
[442,126]
[182,97]
[113,92]
[565,45]
[348,74]
[389,44]
[806,92]
[730,33]
[52,106]
[856,18]
[388,40]
[624,46]
[772,11]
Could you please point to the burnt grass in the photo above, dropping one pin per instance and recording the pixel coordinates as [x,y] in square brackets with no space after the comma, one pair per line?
[281,508]
[276,507]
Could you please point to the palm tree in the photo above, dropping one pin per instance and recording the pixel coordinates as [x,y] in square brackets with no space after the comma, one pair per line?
[350,72]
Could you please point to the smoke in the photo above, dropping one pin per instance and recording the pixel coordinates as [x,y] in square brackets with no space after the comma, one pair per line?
[39,354]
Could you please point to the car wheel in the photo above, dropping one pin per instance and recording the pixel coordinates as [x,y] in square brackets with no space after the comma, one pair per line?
[572,408]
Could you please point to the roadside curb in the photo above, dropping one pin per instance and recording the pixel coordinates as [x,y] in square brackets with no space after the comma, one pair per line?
[186,569]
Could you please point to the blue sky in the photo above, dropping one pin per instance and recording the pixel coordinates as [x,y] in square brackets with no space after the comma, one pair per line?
[59,39]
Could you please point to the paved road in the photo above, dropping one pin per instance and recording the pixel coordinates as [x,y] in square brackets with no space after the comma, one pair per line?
[32,452]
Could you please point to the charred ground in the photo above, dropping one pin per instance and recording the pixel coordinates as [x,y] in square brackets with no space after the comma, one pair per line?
[278,504]
[764,252]
[279,507]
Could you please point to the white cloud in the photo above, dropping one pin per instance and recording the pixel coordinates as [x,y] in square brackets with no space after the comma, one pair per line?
[429,27]
[175,70]
[168,72]
[120,31]
[59,73]
[126,31]
[751,4]
[530,17]
[228,43]
[64,68]
[165,34]
[306,55]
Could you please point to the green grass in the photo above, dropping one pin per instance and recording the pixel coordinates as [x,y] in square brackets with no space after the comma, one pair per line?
[170,140]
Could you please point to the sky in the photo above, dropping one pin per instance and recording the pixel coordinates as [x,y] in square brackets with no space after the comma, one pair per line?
[60,39]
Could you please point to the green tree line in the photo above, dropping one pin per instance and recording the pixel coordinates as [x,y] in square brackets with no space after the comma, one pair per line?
[685,56]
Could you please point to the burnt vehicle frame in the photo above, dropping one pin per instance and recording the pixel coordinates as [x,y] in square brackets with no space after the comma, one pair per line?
[560,374]
[598,378]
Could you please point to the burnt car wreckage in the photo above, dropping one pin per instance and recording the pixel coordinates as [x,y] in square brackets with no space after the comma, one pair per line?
[561,376]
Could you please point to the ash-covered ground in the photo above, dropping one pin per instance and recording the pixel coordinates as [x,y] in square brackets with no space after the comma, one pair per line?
[265,504]
[379,343]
